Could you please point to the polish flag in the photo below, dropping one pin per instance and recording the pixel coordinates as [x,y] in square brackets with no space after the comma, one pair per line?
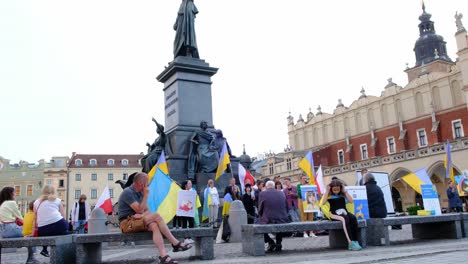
[245,175]
[319,181]
[105,201]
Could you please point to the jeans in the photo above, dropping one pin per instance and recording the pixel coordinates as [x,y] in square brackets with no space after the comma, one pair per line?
[11,230]
[79,225]
[294,214]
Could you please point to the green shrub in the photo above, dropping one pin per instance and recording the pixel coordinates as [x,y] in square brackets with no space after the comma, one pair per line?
[413,210]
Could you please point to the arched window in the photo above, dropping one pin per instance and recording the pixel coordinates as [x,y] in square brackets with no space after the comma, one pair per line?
[419,104]
[436,98]
[93,162]
[110,162]
[399,109]
[78,162]
[125,162]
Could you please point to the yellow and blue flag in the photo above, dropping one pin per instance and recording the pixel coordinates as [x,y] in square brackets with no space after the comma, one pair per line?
[206,204]
[415,179]
[307,165]
[448,163]
[163,193]
[223,161]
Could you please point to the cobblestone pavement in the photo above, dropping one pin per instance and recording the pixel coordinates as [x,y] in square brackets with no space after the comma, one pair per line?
[297,250]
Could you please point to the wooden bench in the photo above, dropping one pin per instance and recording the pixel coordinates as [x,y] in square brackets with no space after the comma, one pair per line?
[89,246]
[253,241]
[62,249]
[423,227]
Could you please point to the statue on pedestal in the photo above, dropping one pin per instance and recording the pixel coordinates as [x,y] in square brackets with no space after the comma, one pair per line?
[203,153]
[155,149]
[185,43]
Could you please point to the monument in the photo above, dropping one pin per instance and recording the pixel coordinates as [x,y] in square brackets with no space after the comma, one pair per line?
[189,129]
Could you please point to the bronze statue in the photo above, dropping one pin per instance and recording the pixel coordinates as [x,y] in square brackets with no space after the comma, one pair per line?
[203,153]
[155,149]
[185,43]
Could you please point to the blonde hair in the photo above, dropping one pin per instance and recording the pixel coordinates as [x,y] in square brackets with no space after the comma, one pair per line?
[48,193]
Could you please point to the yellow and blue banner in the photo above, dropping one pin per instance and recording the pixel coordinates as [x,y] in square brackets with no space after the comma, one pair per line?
[223,161]
[307,165]
[206,203]
[416,179]
[448,163]
[162,197]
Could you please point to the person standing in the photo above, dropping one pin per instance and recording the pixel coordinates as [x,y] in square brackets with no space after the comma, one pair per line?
[80,214]
[455,204]
[214,206]
[291,197]
[304,216]
[233,190]
[249,203]
[272,209]
[375,197]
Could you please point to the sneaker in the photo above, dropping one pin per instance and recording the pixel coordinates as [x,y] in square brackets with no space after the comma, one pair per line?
[354,245]
[305,235]
[45,253]
[312,234]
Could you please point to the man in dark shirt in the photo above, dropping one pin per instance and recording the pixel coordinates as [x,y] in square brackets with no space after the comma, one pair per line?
[133,203]
[375,197]
[455,203]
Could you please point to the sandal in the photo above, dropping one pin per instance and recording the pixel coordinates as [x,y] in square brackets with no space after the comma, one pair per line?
[180,247]
[164,260]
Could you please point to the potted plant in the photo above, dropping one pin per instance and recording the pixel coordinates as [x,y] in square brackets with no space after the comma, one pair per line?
[413,210]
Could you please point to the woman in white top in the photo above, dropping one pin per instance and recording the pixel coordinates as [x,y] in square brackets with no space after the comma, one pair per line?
[9,213]
[50,214]
[213,192]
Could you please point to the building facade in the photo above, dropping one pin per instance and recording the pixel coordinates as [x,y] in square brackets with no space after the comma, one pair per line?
[402,130]
[89,174]
[56,175]
[26,178]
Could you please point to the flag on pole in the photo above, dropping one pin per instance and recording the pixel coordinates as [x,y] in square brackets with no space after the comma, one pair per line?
[307,165]
[223,161]
[448,163]
[422,175]
[319,181]
[412,180]
[163,193]
[245,175]
[105,201]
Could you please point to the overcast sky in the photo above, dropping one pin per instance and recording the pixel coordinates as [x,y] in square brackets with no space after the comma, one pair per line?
[79,76]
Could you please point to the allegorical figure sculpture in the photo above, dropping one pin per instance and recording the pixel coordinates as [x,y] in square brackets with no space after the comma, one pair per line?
[155,149]
[203,153]
[185,43]
[458,21]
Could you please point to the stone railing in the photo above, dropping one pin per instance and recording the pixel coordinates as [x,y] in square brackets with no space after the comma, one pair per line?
[405,155]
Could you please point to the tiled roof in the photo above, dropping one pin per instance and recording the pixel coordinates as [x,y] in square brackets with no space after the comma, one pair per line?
[101,160]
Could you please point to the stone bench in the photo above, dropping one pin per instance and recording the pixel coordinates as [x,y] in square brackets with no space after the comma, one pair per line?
[253,241]
[62,249]
[89,246]
[464,217]
[423,227]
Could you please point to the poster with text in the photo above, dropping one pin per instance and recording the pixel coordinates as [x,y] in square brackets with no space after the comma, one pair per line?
[430,198]
[186,203]
[310,200]
[359,195]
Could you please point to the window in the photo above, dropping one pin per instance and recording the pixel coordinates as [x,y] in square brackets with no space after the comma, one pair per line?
[93,176]
[125,162]
[110,177]
[49,181]
[93,162]
[111,192]
[93,193]
[288,164]
[77,194]
[341,160]
[59,163]
[270,167]
[364,154]
[78,163]
[391,145]
[77,177]
[61,183]
[17,190]
[457,129]
[110,162]
[422,139]
[125,176]
[29,190]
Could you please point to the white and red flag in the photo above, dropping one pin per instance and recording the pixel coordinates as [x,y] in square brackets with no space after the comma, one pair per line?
[319,181]
[245,175]
[105,201]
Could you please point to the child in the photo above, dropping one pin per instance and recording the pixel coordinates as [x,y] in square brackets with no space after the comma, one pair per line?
[28,223]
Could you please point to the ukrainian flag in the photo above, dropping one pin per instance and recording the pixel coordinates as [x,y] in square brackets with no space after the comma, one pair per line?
[307,165]
[162,197]
[448,163]
[223,161]
[207,200]
[416,179]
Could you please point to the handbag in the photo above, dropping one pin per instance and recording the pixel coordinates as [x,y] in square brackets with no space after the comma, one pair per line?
[19,222]
[132,225]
